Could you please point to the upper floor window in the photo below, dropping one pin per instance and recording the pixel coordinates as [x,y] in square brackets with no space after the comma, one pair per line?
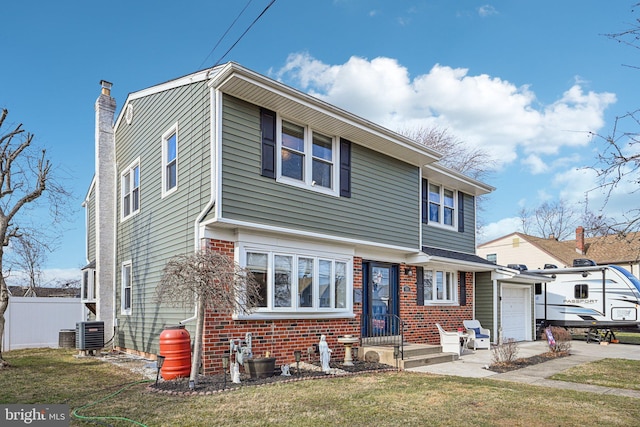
[130,180]
[442,205]
[125,295]
[299,283]
[307,158]
[440,286]
[170,161]
[492,258]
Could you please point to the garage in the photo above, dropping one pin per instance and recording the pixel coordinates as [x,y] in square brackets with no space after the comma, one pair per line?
[516,318]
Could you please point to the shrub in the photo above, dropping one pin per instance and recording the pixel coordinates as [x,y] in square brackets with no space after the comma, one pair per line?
[561,339]
[505,352]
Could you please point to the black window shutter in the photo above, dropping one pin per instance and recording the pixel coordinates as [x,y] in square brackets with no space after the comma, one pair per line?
[463,287]
[345,168]
[420,285]
[268,130]
[425,201]
[460,212]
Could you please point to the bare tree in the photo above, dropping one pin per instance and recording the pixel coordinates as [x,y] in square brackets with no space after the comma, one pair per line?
[216,282]
[25,176]
[473,162]
[618,162]
[555,220]
[28,256]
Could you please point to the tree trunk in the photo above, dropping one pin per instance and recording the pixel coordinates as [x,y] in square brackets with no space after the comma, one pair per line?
[4,303]
[197,345]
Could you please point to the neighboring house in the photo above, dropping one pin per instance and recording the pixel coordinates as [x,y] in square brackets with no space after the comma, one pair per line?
[41,291]
[535,252]
[347,225]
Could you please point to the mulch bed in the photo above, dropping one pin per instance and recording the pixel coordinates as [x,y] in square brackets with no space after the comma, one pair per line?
[503,367]
[211,384]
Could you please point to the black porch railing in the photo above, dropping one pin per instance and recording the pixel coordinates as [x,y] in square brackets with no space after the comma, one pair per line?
[383,329]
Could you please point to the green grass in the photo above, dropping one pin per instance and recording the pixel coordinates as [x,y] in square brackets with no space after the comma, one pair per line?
[382,399]
[617,373]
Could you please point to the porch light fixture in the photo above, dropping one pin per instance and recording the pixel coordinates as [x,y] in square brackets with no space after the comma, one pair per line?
[159,363]
[297,354]
[408,272]
[225,366]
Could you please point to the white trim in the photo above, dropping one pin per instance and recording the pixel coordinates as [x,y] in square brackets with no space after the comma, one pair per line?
[129,169]
[441,207]
[163,142]
[307,167]
[126,311]
[259,244]
[309,234]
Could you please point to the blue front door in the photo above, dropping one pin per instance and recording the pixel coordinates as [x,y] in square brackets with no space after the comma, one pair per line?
[380,302]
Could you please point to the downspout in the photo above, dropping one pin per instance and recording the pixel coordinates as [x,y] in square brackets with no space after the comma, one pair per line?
[495,311]
[604,293]
[215,126]
[115,254]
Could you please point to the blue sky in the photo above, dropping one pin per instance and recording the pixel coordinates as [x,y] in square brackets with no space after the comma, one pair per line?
[526,81]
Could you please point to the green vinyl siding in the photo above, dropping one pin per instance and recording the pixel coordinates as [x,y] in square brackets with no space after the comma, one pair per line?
[452,239]
[164,227]
[91,226]
[383,207]
[484,301]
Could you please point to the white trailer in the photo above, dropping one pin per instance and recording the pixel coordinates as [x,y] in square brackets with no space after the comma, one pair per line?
[595,297]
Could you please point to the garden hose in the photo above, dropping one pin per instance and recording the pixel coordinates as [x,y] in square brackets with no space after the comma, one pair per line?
[93,418]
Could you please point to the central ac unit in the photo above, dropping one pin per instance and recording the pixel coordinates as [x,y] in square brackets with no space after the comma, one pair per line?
[89,335]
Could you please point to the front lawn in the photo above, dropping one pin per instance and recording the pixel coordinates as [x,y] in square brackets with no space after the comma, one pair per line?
[381,399]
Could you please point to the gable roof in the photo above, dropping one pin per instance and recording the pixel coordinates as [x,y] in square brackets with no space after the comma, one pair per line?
[609,249]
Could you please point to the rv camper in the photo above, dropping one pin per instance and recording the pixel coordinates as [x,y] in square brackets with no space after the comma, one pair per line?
[601,297]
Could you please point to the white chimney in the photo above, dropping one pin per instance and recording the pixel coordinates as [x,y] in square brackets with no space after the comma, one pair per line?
[105,187]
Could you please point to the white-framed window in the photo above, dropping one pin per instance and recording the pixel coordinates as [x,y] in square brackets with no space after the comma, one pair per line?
[170,161]
[442,205]
[88,293]
[125,295]
[130,185]
[300,283]
[440,286]
[307,158]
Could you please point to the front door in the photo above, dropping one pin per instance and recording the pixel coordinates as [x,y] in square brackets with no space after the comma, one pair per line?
[380,302]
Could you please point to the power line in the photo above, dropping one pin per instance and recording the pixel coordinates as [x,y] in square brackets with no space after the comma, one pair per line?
[245,32]
[225,33]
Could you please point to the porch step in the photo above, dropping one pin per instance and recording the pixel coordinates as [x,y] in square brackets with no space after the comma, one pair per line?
[414,355]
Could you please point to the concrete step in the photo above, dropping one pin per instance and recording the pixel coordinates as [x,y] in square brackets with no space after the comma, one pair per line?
[414,355]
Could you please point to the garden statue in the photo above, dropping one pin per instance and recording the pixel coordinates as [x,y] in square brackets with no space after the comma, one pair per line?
[235,373]
[285,371]
[325,354]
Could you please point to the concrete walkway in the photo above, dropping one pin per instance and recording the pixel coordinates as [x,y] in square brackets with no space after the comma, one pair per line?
[474,364]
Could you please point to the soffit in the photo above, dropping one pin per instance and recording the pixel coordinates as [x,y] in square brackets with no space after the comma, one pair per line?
[326,118]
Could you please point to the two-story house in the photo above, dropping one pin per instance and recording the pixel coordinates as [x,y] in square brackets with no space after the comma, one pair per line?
[350,228]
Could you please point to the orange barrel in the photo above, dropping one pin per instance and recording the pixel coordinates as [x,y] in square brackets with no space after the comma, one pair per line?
[175,346]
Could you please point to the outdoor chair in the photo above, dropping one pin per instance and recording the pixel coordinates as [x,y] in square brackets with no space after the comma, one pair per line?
[479,336]
[449,341]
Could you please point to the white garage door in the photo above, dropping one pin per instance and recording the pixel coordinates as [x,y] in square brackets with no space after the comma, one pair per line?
[516,313]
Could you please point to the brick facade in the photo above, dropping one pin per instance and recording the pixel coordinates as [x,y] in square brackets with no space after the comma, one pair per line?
[281,337]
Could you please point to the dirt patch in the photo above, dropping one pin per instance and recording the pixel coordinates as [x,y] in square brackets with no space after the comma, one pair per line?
[503,367]
[216,383]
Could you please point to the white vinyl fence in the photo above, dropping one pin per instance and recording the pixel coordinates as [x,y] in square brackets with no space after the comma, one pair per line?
[36,322]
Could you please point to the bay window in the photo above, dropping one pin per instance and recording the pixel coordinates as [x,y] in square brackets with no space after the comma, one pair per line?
[299,283]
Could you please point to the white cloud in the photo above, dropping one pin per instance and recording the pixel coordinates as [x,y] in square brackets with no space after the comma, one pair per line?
[487,10]
[535,164]
[498,229]
[481,110]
